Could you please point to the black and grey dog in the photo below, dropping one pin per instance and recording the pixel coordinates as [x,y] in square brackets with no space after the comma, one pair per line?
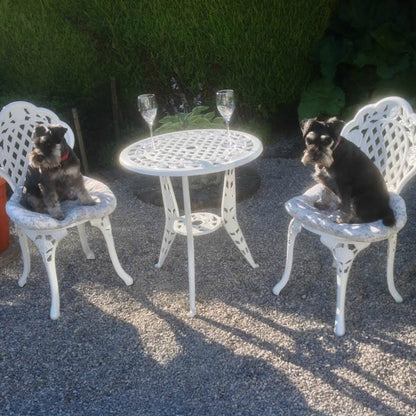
[346,171]
[53,174]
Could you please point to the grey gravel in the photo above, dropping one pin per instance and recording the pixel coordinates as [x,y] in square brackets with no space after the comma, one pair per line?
[119,350]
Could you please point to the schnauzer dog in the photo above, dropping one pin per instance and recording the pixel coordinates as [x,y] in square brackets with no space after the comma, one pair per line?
[53,174]
[345,171]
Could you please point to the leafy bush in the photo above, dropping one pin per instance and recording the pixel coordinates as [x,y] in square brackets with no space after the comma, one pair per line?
[369,51]
[196,119]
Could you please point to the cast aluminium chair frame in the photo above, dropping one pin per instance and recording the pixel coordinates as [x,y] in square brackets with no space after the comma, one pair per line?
[386,132]
[17,121]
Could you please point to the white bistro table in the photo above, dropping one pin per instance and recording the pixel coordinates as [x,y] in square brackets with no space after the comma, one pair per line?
[190,153]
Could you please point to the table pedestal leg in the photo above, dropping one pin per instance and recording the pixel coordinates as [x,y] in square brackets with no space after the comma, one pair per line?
[171,214]
[229,216]
[190,242]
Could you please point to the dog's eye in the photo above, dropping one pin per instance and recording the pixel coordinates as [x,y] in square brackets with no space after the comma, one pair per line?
[311,138]
[326,140]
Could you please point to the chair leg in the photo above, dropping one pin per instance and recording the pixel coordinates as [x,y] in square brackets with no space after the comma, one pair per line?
[47,244]
[24,246]
[390,267]
[229,217]
[104,225]
[344,255]
[293,230]
[171,214]
[84,242]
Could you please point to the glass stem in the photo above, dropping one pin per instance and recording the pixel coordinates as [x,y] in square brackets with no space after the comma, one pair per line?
[151,135]
[228,133]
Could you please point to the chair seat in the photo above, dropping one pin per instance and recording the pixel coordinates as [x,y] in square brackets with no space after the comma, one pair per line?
[323,222]
[75,213]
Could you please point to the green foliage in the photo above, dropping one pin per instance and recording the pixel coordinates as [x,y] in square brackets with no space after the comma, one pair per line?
[42,56]
[321,96]
[196,119]
[369,48]
[70,48]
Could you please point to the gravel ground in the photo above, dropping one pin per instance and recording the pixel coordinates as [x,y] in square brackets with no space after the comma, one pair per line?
[119,350]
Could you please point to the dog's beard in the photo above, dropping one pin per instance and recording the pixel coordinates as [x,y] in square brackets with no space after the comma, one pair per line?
[38,160]
[324,158]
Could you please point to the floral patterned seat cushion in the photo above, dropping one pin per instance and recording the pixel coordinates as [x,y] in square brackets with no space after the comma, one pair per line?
[75,213]
[302,208]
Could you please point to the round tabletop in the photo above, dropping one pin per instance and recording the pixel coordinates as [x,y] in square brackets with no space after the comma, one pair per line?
[191,152]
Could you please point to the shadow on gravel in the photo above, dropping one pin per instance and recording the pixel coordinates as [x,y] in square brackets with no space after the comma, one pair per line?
[332,359]
[91,363]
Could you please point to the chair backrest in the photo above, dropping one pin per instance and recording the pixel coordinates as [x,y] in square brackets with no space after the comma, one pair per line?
[17,122]
[386,132]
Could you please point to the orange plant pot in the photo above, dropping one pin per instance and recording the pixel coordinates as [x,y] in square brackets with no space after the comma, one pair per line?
[4,219]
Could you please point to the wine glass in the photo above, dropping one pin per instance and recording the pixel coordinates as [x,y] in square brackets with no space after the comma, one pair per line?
[226,105]
[148,108]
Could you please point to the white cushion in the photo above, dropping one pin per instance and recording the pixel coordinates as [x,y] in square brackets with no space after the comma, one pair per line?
[75,213]
[302,208]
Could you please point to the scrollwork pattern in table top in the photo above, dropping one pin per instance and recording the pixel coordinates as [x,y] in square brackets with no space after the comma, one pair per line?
[192,150]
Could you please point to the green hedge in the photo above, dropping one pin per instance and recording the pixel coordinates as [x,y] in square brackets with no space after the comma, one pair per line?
[65,50]
[42,56]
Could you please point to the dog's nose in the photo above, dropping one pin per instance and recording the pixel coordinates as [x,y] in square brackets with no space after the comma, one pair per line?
[39,158]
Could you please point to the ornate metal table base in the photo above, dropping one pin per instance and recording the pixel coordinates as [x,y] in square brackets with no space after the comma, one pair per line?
[192,153]
[200,223]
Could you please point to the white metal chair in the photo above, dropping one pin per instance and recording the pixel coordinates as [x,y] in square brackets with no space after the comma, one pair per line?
[17,121]
[386,132]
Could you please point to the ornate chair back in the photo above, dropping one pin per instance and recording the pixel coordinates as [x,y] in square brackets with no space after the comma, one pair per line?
[17,122]
[386,132]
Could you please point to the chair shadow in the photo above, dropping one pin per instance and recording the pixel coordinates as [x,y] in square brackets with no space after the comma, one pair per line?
[90,362]
[328,358]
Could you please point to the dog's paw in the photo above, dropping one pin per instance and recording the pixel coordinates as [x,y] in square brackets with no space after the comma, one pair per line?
[71,195]
[339,219]
[56,212]
[58,216]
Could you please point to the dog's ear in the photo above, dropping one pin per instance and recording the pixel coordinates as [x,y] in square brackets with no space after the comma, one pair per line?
[305,124]
[58,130]
[335,125]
